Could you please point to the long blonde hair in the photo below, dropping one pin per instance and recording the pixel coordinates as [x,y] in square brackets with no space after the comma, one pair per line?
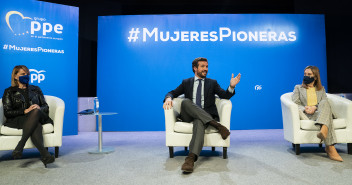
[316,73]
[16,69]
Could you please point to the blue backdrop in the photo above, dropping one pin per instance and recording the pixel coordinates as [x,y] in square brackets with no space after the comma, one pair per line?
[142,57]
[44,37]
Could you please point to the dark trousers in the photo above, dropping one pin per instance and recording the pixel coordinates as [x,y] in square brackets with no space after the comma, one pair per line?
[191,112]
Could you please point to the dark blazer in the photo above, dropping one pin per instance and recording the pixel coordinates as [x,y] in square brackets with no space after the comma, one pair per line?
[14,102]
[211,88]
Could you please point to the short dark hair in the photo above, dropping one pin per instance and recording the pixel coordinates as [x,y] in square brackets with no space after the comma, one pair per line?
[195,62]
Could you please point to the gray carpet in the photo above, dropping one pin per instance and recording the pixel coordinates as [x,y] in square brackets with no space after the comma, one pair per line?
[255,157]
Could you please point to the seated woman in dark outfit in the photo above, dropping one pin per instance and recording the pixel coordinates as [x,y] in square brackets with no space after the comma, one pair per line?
[25,108]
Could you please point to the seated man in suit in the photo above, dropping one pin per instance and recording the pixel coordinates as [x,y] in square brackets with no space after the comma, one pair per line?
[199,106]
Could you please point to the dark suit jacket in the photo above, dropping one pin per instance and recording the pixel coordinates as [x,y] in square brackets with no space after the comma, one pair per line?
[211,88]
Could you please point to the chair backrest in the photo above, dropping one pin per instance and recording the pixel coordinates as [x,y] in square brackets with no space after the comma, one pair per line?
[177,103]
[333,98]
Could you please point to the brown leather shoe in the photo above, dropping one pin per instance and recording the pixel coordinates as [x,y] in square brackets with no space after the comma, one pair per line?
[189,163]
[223,131]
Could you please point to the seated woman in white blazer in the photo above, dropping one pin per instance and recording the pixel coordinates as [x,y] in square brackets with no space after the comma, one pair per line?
[313,105]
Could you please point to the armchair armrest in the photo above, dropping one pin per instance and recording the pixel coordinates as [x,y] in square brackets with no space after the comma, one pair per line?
[290,116]
[2,116]
[341,108]
[56,113]
[224,108]
[170,120]
[171,115]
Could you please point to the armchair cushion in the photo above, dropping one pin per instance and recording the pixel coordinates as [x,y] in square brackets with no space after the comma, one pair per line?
[186,128]
[309,125]
[47,128]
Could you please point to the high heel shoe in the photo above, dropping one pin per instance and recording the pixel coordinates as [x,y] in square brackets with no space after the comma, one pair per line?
[48,159]
[323,133]
[17,154]
[321,136]
[335,157]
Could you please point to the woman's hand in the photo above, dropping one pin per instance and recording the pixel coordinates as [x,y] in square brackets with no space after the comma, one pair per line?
[32,107]
[310,109]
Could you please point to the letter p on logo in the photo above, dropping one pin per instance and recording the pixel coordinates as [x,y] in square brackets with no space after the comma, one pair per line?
[35,26]
[37,75]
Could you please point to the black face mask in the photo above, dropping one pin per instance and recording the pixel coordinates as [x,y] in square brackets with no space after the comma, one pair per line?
[24,79]
[308,79]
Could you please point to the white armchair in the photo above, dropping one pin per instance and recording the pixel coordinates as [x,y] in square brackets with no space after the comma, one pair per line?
[52,134]
[180,133]
[299,131]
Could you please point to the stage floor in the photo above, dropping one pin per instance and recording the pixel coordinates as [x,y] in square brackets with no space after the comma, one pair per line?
[254,157]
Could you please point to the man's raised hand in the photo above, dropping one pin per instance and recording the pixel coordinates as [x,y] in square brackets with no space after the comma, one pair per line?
[234,81]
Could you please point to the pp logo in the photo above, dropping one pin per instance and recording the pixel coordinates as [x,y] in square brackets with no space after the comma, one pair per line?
[35,26]
[258,87]
[37,75]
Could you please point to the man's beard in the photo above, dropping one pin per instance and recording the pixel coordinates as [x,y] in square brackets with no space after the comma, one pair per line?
[200,74]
